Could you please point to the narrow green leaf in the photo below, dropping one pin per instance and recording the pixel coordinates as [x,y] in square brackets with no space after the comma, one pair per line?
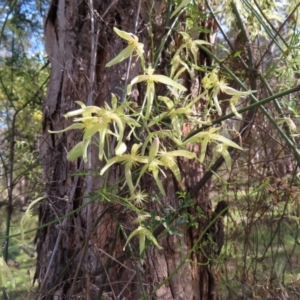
[180,7]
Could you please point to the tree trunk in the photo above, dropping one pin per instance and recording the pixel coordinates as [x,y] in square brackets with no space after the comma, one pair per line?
[81,256]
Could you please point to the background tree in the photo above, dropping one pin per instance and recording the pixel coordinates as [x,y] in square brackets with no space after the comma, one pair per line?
[97,212]
[23,77]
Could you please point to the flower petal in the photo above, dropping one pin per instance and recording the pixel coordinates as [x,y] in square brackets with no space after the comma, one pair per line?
[78,150]
[168,81]
[73,126]
[125,35]
[125,53]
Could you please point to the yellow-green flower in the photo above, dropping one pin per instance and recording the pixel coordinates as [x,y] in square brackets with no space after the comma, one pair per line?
[169,160]
[206,137]
[212,82]
[139,198]
[161,158]
[143,233]
[176,62]
[221,149]
[190,44]
[173,113]
[86,123]
[150,78]
[98,119]
[289,122]
[129,160]
[133,46]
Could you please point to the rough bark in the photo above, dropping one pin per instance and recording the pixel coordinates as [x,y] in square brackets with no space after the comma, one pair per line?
[73,260]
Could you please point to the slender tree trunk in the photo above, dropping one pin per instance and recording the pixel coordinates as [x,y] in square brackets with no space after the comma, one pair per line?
[82,255]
